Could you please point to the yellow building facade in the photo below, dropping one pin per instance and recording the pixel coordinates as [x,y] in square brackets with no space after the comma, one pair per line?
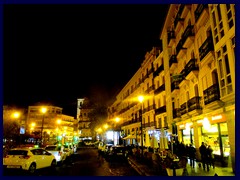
[188,82]
[52,126]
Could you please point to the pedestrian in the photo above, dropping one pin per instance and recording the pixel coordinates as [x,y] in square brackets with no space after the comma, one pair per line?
[156,160]
[203,152]
[100,158]
[210,156]
[192,155]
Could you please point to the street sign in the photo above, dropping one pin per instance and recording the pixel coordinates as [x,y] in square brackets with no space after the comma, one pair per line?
[22,130]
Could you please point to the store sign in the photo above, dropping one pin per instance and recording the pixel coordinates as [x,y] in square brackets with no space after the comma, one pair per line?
[218,118]
[182,126]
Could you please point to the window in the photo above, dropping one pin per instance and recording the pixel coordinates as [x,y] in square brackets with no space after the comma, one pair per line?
[224,72]
[160,122]
[233,47]
[165,121]
[218,31]
[230,12]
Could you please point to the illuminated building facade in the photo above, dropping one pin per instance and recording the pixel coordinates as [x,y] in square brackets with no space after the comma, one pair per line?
[52,126]
[83,112]
[188,81]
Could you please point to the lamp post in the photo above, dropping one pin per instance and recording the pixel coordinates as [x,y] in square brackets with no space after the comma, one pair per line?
[58,124]
[140,99]
[32,127]
[16,116]
[117,120]
[43,110]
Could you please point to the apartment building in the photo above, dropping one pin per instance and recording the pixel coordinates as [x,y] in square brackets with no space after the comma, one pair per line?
[188,83]
[51,125]
[83,117]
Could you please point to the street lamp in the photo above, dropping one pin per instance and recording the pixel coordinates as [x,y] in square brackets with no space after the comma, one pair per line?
[140,99]
[117,129]
[32,127]
[16,116]
[43,110]
[58,123]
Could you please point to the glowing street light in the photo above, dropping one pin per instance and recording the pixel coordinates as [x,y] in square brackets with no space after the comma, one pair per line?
[141,99]
[32,126]
[117,119]
[16,116]
[105,126]
[59,121]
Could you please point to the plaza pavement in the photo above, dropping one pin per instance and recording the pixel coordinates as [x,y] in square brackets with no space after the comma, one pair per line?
[145,170]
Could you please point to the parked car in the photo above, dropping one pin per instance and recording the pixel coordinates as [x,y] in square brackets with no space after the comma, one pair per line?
[117,152]
[29,159]
[58,152]
[106,149]
[68,149]
[100,145]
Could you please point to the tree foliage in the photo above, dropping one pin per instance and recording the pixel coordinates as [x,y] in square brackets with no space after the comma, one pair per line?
[11,125]
[97,103]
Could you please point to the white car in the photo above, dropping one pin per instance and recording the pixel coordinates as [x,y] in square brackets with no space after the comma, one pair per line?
[58,152]
[29,159]
[68,149]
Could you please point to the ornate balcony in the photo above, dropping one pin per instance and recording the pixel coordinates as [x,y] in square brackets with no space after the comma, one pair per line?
[211,94]
[149,89]
[159,69]
[180,50]
[191,66]
[171,37]
[173,62]
[160,110]
[188,36]
[153,123]
[199,10]
[194,103]
[178,16]
[183,108]
[176,113]
[160,89]
[206,47]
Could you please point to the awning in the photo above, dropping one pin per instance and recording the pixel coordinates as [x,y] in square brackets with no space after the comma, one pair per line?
[130,137]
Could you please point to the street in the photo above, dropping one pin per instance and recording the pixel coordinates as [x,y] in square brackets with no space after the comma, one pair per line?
[84,163]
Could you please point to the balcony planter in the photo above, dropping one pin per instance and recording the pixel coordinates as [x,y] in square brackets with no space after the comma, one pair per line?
[179,171]
[174,165]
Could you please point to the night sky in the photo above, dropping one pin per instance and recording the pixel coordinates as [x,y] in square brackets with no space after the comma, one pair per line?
[58,53]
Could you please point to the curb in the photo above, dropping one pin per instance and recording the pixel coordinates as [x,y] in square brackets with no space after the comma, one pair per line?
[138,168]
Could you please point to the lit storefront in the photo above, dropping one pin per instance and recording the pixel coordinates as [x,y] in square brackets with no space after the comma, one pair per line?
[187,134]
[211,130]
[214,132]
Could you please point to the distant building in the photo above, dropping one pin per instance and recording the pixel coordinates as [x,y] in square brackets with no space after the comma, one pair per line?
[83,116]
[52,126]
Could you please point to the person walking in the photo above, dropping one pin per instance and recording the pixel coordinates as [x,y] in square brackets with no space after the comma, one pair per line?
[203,152]
[192,155]
[210,156]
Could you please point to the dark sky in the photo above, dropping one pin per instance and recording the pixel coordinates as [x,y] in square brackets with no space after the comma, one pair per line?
[58,53]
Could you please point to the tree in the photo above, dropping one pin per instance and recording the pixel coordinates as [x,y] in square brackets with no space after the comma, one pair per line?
[11,126]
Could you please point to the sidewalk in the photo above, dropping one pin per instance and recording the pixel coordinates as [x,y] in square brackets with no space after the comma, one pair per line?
[219,171]
[145,170]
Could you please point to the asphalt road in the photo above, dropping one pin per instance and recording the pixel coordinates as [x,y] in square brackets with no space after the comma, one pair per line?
[84,163]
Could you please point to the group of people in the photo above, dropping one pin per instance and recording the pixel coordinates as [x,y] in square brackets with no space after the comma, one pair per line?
[206,151]
[207,156]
